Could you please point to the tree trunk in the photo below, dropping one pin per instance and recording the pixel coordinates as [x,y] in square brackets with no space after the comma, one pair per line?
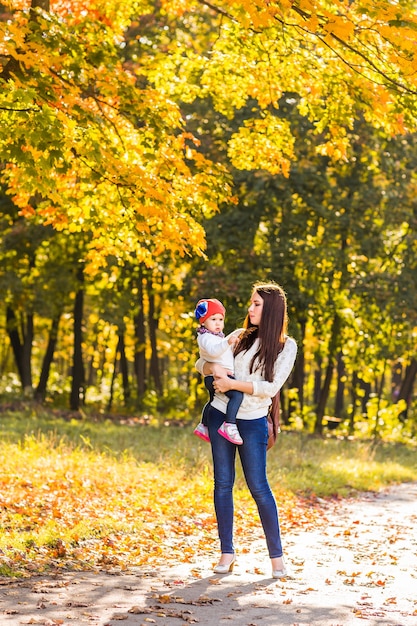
[354,398]
[28,333]
[40,392]
[120,363]
[299,368]
[124,369]
[317,380]
[140,342]
[91,377]
[113,378]
[78,378]
[365,398]
[5,354]
[339,404]
[406,389]
[13,332]
[379,399]
[21,343]
[331,357]
[153,327]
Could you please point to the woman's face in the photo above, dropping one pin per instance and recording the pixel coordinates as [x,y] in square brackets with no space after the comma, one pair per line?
[255,308]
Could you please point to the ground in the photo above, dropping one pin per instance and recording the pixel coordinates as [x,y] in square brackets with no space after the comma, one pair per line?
[359,568]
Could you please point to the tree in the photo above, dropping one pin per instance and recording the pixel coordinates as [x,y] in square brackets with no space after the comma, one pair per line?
[345,60]
[101,150]
[278,129]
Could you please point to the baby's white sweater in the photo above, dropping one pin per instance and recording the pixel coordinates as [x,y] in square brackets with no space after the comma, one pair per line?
[256,405]
[215,349]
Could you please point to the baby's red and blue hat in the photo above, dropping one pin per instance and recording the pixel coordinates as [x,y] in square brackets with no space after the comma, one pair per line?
[207,307]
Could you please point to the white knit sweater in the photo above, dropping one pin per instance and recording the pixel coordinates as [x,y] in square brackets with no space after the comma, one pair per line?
[215,349]
[256,405]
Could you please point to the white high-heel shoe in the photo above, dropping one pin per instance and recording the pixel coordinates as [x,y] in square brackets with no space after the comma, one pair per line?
[222,568]
[280,573]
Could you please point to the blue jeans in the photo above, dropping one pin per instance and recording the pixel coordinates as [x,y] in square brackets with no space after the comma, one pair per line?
[253,458]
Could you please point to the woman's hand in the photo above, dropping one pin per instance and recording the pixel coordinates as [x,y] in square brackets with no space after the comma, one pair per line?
[223,383]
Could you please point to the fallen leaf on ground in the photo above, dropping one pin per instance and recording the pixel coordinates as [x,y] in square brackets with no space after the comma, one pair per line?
[137,610]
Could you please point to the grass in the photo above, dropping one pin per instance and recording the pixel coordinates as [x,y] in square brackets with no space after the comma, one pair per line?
[84,493]
[302,462]
[333,466]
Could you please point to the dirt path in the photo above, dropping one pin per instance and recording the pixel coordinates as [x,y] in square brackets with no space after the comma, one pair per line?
[360,568]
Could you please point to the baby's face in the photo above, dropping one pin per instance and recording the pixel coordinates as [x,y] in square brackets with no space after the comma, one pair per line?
[215,323]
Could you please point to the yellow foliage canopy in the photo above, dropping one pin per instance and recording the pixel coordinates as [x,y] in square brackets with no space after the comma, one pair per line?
[94,140]
[87,148]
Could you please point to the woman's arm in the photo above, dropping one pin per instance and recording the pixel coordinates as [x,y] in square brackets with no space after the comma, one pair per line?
[283,367]
[224,383]
[210,369]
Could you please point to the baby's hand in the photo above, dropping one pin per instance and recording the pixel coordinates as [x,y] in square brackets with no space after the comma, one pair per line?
[232,340]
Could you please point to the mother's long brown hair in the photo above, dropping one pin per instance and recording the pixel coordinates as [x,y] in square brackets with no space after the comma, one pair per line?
[271,330]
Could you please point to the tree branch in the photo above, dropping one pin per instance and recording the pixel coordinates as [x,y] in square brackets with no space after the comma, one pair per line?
[345,44]
[37,109]
[218,10]
[401,87]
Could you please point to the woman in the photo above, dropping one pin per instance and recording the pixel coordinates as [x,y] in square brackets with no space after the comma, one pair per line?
[264,358]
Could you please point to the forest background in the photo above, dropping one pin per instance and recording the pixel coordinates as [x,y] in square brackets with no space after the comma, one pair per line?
[153,153]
